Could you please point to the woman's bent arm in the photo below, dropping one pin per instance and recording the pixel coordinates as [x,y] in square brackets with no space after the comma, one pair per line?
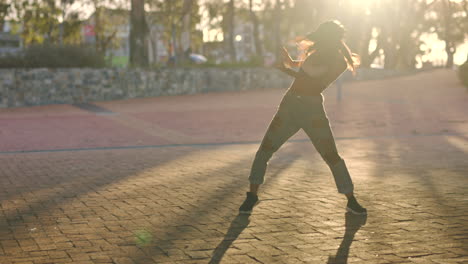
[288,71]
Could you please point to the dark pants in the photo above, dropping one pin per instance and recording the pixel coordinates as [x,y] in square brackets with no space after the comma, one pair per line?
[306,112]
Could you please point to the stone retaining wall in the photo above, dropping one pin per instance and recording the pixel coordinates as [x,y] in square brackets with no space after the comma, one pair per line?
[26,87]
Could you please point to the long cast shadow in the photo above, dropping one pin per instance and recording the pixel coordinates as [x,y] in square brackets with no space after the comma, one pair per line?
[173,233]
[352,224]
[237,226]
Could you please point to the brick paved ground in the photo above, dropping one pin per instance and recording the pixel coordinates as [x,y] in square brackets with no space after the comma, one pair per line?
[158,181]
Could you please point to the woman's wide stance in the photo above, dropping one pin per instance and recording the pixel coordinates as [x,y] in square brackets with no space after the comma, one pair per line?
[326,58]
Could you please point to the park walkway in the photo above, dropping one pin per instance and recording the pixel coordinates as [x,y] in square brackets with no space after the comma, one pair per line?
[159,180]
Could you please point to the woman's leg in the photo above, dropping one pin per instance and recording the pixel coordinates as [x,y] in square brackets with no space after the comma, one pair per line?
[281,128]
[321,135]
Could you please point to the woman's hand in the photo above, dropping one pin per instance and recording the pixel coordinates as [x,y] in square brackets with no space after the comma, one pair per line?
[285,64]
[287,61]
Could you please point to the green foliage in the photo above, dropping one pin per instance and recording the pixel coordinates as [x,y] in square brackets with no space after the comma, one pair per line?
[72,29]
[54,56]
[107,23]
[39,20]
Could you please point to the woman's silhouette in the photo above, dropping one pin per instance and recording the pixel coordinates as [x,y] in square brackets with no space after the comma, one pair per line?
[326,57]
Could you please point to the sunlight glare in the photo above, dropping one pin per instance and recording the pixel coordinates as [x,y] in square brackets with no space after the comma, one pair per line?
[365,3]
[458,142]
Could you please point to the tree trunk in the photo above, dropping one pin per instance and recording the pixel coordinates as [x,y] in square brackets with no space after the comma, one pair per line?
[231,33]
[450,49]
[449,45]
[390,50]
[258,45]
[390,29]
[277,31]
[369,58]
[97,26]
[364,49]
[4,7]
[154,34]
[138,35]
[186,37]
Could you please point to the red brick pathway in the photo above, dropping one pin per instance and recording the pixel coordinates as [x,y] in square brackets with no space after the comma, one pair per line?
[125,198]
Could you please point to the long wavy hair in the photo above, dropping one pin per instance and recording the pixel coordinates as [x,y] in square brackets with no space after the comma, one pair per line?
[328,36]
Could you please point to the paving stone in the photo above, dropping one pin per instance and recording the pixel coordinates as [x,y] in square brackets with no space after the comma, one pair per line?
[110,190]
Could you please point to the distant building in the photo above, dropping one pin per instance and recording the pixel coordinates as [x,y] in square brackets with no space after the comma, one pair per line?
[244,43]
[9,43]
[158,48]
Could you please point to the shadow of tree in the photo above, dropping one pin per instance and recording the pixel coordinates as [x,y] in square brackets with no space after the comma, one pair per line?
[237,226]
[352,224]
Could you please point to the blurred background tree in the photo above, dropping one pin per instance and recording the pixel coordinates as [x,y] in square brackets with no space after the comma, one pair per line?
[394,34]
[449,21]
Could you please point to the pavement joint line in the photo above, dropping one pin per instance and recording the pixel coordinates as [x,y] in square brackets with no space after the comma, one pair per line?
[208,144]
[98,110]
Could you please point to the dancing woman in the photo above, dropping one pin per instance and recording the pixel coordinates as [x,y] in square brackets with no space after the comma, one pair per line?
[326,58]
